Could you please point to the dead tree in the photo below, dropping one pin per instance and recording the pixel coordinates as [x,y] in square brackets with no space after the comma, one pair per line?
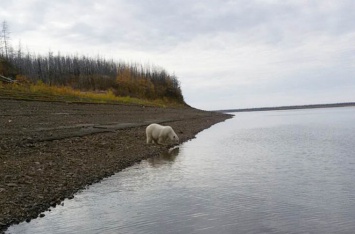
[5,38]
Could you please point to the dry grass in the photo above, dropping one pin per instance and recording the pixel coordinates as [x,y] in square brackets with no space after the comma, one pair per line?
[44,92]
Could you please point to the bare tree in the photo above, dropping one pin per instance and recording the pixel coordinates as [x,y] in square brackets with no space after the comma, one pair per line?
[85,73]
[5,38]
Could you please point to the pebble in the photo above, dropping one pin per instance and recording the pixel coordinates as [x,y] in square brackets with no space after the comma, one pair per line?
[65,163]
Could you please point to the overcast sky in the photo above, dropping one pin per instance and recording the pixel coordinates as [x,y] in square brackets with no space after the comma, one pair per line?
[226,54]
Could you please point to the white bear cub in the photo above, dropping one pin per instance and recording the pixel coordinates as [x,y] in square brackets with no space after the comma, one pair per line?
[159,134]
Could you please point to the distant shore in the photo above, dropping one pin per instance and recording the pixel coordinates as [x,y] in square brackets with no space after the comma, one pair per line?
[291,107]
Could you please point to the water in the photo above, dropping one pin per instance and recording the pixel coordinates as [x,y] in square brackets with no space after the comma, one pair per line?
[260,172]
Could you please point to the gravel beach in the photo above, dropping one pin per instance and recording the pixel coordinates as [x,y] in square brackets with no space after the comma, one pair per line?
[51,150]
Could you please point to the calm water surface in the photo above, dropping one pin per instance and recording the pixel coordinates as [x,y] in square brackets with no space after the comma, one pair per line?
[260,172]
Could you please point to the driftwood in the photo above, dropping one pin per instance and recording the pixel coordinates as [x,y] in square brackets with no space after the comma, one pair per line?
[6,79]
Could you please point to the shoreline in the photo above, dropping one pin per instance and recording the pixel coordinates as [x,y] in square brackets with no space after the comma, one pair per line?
[50,151]
[299,107]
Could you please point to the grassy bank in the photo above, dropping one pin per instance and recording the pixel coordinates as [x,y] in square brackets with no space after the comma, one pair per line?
[43,92]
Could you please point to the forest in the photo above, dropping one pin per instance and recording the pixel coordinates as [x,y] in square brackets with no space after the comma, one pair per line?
[86,74]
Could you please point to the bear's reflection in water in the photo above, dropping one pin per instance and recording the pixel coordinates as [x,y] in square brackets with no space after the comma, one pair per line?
[164,158]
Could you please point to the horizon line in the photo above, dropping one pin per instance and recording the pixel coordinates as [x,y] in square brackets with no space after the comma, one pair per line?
[306,106]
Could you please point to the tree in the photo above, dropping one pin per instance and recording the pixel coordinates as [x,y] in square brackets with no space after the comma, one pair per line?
[5,38]
[85,73]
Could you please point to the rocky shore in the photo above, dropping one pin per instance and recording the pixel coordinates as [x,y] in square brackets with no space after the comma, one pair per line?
[50,150]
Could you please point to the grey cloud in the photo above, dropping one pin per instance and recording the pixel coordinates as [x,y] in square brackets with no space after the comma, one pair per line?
[247,47]
[153,24]
[252,19]
[25,16]
[156,23]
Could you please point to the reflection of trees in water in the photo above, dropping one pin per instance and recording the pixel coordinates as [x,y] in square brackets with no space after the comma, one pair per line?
[167,157]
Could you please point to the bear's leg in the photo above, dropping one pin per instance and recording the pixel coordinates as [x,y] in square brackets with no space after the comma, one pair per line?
[149,140]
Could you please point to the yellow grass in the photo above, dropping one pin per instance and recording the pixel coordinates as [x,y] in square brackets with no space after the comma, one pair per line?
[43,92]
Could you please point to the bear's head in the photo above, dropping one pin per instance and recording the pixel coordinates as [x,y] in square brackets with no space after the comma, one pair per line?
[173,137]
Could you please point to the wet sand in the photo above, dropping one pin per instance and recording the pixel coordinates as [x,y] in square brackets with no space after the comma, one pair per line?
[50,150]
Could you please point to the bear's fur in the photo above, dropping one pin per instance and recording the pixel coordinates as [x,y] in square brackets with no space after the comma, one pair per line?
[159,134]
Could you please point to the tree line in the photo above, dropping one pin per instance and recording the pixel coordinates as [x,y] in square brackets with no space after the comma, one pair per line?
[87,73]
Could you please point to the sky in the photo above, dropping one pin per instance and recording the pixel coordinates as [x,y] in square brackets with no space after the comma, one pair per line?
[226,54]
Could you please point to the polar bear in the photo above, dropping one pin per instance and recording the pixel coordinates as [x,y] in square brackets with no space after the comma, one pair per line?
[159,134]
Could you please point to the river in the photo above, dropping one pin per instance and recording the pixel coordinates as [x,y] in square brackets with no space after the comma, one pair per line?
[259,172]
